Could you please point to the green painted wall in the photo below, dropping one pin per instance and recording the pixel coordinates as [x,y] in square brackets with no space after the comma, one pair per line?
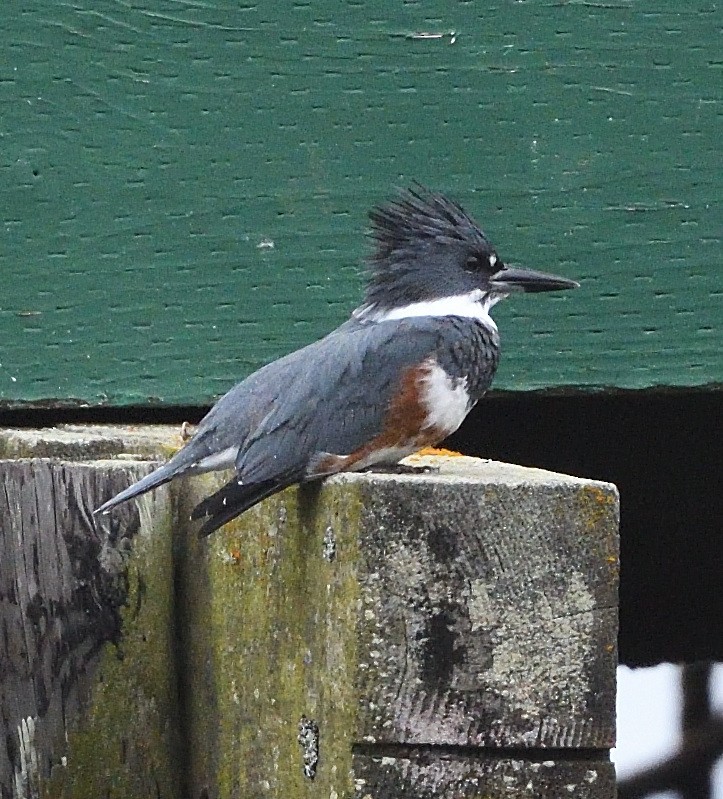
[183,184]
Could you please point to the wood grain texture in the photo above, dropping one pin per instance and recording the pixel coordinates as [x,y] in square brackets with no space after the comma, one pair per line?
[449,776]
[74,442]
[87,686]
[489,612]
[441,635]
[184,186]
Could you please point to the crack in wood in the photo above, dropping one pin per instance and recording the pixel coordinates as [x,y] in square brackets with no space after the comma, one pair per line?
[451,751]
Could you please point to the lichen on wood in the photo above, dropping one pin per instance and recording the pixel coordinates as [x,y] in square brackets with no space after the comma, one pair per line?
[89,699]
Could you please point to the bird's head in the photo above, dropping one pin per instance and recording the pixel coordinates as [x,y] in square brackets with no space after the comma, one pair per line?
[428,249]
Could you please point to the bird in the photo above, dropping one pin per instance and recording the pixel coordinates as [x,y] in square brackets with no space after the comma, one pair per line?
[400,374]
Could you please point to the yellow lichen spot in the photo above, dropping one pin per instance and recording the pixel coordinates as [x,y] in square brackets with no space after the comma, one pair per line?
[599,504]
[600,495]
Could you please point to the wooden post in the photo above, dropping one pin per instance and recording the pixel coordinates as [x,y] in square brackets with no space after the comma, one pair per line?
[449,634]
[88,692]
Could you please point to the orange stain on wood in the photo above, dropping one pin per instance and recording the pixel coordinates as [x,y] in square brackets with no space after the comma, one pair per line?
[447,453]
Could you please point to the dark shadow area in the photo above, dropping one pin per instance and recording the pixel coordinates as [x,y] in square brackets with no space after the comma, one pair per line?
[49,417]
[663,451]
[661,448]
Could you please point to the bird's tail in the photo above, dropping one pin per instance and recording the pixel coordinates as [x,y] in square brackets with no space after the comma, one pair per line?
[231,500]
[161,475]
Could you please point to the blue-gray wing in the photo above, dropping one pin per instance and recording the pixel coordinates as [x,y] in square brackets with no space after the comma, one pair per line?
[328,399]
[332,397]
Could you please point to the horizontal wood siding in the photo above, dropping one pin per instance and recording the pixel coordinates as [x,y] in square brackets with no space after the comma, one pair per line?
[183,187]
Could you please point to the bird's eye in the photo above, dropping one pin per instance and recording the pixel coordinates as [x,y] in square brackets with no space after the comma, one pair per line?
[472,264]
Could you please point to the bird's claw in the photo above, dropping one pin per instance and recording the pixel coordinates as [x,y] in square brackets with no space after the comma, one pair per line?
[401,468]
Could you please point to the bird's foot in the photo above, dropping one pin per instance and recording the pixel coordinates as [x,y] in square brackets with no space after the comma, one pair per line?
[400,468]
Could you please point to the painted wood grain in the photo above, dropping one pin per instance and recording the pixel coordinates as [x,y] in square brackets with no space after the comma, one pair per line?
[184,188]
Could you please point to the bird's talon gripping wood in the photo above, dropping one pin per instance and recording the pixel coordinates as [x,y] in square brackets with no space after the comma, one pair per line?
[402,468]
[400,375]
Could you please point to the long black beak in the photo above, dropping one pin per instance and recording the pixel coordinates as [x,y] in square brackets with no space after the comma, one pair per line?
[512,279]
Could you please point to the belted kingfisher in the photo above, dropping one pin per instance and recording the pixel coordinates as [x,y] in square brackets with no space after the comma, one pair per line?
[401,374]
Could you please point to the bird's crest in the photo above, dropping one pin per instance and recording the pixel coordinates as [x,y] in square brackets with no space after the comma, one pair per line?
[419,217]
[422,241]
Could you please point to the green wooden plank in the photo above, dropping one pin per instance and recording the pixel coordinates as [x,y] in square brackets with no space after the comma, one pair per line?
[152,154]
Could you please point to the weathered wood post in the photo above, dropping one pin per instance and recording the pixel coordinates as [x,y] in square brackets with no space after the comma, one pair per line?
[88,691]
[449,634]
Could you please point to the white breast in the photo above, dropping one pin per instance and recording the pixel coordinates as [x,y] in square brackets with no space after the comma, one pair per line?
[445,399]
